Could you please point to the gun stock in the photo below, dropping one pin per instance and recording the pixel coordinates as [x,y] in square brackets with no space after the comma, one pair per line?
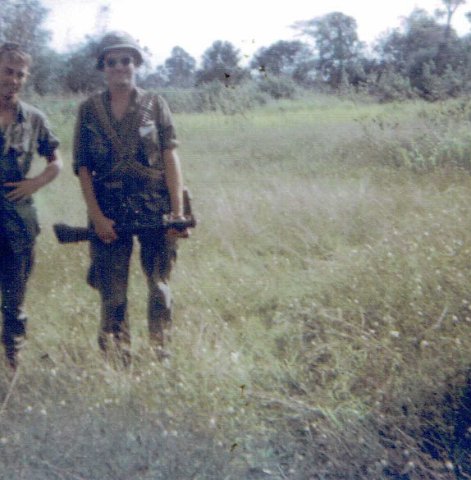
[67,234]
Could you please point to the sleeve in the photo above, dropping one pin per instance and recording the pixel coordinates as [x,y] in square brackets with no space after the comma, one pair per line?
[166,128]
[81,140]
[47,142]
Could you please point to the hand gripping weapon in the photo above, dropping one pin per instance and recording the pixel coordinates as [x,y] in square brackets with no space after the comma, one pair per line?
[70,234]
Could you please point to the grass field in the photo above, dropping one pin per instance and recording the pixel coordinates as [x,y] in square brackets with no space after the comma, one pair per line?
[322,310]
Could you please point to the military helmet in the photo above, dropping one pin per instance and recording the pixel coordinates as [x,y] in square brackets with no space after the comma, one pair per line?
[117,40]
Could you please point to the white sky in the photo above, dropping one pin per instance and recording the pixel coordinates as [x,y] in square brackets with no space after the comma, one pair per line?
[248,24]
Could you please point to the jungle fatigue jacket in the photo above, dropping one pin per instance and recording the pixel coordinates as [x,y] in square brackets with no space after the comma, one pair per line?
[118,193]
[19,141]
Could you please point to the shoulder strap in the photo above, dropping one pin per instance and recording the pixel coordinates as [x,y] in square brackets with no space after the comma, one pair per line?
[125,153]
[105,122]
[146,108]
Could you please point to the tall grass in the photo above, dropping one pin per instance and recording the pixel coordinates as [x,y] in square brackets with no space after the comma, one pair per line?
[321,310]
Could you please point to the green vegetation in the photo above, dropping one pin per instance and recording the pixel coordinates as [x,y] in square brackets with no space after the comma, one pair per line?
[422,58]
[322,309]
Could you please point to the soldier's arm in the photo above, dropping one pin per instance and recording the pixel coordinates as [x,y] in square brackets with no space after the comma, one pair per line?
[174,179]
[29,186]
[102,225]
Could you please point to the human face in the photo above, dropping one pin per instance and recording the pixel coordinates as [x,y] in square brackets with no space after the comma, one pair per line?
[119,69]
[13,76]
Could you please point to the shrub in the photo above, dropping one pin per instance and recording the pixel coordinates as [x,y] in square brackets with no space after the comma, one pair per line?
[279,87]
[180,100]
[391,86]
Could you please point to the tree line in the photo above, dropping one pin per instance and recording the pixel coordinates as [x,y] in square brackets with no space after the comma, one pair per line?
[424,57]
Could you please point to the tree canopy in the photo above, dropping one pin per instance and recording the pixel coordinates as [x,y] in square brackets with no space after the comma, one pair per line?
[423,56]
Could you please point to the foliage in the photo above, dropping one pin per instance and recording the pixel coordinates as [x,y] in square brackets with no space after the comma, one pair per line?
[156,79]
[417,52]
[20,22]
[278,86]
[221,62]
[180,68]
[390,86]
[48,72]
[286,58]
[427,141]
[179,99]
[423,57]
[215,97]
[337,46]
[82,75]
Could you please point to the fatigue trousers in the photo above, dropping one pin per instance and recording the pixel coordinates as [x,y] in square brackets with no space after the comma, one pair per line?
[109,274]
[15,269]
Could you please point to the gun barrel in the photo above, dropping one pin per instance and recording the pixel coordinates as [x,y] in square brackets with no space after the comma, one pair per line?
[179,224]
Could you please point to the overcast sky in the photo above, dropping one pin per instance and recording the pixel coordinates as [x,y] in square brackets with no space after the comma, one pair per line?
[248,24]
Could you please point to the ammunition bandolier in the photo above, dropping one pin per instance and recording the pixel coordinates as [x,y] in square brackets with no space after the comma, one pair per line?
[132,188]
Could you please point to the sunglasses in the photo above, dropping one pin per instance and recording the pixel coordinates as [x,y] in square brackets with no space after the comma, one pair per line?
[124,61]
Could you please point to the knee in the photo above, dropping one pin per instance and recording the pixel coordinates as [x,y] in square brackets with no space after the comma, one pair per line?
[14,324]
[160,295]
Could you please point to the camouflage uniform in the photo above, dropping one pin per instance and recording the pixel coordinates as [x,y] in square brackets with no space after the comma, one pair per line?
[29,133]
[119,194]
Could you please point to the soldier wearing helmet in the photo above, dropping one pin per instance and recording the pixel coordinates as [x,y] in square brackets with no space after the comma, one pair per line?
[126,160]
[118,41]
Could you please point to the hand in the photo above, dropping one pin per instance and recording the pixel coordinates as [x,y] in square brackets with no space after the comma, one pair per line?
[173,233]
[104,230]
[22,189]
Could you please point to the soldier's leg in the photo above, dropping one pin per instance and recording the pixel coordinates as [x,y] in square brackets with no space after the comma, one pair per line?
[109,274]
[158,255]
[15,270]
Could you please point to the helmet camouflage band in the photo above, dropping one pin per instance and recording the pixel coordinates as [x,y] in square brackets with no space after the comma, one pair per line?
[114,41]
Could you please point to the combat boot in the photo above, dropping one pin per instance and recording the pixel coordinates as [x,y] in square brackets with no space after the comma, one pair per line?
[115,351]
[158,341]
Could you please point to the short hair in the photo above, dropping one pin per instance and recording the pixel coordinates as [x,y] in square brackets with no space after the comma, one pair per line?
[13,52]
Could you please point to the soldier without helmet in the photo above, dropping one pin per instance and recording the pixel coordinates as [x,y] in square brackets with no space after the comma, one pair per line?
[24,131]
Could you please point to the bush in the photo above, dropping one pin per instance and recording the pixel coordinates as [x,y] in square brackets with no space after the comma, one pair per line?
[391,86]
[434,136]
[180,100]
[215,97]
[279,87]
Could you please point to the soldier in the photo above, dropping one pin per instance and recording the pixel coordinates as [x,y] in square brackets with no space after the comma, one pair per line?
[23,132]
[125,158]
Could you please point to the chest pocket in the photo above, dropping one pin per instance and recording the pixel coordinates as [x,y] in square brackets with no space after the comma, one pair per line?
[17,148]
[19,138]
